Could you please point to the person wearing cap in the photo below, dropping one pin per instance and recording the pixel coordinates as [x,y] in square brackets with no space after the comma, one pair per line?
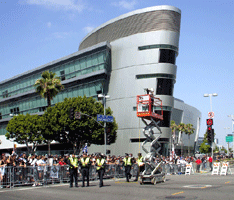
[85,165]
[140,165]
[73,167]
[127,162]
[100,164]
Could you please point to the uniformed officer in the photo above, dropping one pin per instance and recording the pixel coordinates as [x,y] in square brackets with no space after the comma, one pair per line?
[127,162]
[73,166]
[100,163]
[140,164]
[85,165]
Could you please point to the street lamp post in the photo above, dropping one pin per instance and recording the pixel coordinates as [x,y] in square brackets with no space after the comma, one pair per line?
[227,142]
[210,95]
[104,105]
[232,116]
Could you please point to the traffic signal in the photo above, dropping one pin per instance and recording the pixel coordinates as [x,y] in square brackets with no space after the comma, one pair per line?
[209,134]
[209,122]
[71,114]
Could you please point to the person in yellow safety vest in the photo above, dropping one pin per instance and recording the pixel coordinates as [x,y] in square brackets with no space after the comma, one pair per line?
[100,164]
[85,165]
[73,166]
[140,164]
[127,162]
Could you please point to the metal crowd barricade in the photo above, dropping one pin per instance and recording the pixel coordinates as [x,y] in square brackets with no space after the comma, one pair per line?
[43,175]
[181,168]
[109,171]
[119,171]
[92,173]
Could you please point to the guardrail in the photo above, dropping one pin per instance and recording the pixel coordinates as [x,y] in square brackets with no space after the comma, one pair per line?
[43,175]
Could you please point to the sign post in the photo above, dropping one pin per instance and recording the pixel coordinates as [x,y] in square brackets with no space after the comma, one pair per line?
[105,118]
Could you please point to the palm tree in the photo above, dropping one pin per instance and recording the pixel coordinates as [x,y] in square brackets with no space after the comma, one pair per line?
[189,131]
[48,87]
[173,127]
[181,128]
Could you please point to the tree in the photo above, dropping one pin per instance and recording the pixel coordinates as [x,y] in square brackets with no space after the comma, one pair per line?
[77,132]
[181,128]
[189,131]
[48,87]
[173,127]
[204,148]
[25,129]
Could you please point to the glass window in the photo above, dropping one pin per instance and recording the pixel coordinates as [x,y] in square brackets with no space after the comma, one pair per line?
[165,86]
[92,90]
[89,61]
[95,59]
[156,46]
[77,65]
[69,93]
[67,68]
[101,67]
[101,58]
[84,71]
[82,64]
[81,92]
[74,91]
[86,90]
[144,76]
[62,75]
[167,56]
[78,73]
[89,70]
[72,66]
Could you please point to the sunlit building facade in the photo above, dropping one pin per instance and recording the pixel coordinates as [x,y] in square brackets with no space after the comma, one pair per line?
[121,58]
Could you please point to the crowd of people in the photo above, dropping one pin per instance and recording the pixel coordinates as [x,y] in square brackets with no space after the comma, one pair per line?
[98,161]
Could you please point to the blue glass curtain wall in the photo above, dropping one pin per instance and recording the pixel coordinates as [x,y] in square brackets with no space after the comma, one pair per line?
[79,66]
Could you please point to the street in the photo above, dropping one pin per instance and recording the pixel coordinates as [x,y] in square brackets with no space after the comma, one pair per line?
[198,186]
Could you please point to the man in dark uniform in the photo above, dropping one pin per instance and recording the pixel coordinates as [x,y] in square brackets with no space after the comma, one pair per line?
[85,165]
[100,163]
[140,164]
[127,162]
[73,166]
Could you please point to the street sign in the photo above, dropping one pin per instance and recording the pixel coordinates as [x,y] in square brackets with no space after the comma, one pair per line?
[105,118]
[229,138]
[211,114]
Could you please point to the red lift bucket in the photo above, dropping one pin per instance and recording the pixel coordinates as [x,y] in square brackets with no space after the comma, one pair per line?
[149,107]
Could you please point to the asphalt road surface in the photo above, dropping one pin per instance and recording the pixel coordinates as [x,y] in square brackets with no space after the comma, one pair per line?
[198,186]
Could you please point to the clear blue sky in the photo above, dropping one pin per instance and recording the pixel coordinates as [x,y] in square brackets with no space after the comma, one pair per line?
[35,32]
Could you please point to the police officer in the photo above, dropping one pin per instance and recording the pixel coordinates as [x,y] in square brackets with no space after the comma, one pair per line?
[100,163]
[140,164]
[73,166]
[85,165]
[127,162]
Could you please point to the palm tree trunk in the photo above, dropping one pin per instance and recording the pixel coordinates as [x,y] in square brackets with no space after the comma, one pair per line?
[48,99]
[49,147]
[189,145]
[173,145]
[48,105]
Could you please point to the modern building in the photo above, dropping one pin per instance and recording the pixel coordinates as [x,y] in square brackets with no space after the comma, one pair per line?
[121,58]
[184,113]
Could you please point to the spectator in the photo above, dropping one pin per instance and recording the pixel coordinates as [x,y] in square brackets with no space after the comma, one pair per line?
[198,162]
[211,163]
